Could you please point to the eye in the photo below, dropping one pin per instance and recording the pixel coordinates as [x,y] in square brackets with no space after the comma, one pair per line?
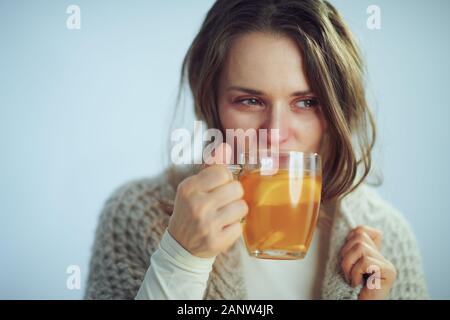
[250,102]
[307,103]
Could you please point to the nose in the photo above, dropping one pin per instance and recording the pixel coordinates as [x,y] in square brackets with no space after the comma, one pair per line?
[278,118]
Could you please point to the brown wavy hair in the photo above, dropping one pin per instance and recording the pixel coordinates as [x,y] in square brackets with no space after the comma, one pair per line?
[334,68]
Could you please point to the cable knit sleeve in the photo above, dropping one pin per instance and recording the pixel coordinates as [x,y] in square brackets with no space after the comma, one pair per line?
[406,257]
[128,232]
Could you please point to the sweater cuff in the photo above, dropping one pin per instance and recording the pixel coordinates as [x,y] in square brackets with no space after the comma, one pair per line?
[182,257]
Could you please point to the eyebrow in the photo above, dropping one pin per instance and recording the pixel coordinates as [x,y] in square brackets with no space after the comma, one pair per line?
[258,92]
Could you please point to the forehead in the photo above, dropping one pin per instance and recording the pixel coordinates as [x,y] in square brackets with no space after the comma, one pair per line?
[265,62]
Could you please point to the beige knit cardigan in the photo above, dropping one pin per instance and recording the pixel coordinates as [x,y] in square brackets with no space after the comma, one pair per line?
[136,215]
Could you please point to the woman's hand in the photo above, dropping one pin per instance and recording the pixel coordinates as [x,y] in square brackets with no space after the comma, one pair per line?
[363,263]
[208,209]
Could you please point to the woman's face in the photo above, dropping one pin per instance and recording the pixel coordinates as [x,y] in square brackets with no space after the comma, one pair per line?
[263,86]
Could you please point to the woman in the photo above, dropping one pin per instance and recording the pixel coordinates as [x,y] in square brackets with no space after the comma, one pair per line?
[290,65]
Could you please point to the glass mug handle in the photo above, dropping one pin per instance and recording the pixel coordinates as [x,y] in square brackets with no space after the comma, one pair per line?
[236,170]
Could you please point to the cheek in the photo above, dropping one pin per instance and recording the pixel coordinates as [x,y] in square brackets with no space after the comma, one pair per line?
[230,118]
[309,132]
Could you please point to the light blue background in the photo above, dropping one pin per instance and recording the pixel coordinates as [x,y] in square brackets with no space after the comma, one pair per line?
[84,111]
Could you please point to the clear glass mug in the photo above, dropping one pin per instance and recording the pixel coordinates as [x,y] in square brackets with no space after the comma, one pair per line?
[283,193]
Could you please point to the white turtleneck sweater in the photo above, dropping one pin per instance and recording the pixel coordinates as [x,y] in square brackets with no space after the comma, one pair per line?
[174,273]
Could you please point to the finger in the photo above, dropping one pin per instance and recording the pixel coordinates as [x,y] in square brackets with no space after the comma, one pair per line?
[212,177]
[358,251]
[231,232]
[219,155]
[374,234]
[233,212]
[365,265]
[357,238]
[347,264]
[227,193]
